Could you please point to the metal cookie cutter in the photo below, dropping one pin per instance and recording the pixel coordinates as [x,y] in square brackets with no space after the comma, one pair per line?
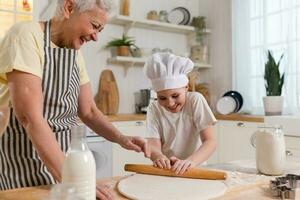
[286,187]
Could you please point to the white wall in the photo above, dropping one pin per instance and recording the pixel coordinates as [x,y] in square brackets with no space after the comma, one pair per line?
[218,13]
[130,81]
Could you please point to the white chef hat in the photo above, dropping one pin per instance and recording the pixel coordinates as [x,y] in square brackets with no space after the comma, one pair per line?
[168,71]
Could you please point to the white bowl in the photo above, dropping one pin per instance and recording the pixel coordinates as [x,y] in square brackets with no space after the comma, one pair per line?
[226,105]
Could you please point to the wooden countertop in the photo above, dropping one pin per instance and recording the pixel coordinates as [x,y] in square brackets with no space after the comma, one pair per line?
[255,191]
[231,117]
[245,184]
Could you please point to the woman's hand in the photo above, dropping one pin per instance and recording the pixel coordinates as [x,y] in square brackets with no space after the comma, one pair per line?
[181,166]
[162,162]
[137,144]
[103,192]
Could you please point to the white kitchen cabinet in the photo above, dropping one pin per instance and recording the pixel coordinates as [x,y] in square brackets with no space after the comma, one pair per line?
[122,156]
[293,145]
[234,140]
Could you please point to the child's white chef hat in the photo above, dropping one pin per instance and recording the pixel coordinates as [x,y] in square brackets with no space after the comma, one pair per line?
[168,71]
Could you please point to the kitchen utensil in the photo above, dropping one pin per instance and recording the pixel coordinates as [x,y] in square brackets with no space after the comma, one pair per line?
[107,98]
[286,187]
[226,105]
[237,97]
[270,150]
[192,173]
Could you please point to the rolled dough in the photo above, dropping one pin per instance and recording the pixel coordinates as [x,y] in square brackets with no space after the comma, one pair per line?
[150,187]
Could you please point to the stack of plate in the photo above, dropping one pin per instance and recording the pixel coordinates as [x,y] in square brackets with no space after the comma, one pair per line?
[179,15]
[231,102]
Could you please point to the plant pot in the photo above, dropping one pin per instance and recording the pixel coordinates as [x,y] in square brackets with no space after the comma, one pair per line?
[273,105]
[123,51]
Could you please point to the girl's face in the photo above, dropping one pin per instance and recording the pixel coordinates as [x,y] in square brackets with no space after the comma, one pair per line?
[172,100]
[84,27]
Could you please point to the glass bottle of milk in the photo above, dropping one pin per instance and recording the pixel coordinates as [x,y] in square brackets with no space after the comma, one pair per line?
[79,168]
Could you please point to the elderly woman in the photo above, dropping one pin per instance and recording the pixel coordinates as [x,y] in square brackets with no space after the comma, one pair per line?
[47,89]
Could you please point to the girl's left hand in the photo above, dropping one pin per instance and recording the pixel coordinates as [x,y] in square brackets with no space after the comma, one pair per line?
[181,166]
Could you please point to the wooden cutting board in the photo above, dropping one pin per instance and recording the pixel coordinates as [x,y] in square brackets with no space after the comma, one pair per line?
[107,98]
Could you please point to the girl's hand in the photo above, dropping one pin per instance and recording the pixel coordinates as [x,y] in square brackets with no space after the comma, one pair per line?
[180,166]
[103,192]
[162,162]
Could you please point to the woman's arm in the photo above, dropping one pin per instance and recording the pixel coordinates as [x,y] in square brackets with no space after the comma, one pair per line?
[93,118]
[27,100]
[156,155]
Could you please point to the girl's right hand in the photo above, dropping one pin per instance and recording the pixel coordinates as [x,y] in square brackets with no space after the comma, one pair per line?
[162,162]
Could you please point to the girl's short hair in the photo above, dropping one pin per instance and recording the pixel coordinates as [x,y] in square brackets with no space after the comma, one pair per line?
[84,5]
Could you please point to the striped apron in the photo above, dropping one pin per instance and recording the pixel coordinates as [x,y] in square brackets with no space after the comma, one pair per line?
[20,165]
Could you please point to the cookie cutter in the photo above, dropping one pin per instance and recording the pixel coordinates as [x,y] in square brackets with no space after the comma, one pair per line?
[286,187]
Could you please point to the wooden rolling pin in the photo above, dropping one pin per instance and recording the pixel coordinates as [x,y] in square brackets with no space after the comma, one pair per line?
[191,173]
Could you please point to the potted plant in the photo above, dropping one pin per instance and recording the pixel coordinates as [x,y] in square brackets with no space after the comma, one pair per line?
[124,46]
[273,102]
[199,51]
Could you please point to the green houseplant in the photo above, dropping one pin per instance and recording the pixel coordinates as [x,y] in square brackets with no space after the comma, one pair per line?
[199,51]
[200,25]
[273,83]
[124,45]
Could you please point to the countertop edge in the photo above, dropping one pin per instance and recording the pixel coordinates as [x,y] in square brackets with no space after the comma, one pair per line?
[232,117]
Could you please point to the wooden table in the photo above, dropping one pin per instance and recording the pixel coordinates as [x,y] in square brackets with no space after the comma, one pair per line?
[259,189]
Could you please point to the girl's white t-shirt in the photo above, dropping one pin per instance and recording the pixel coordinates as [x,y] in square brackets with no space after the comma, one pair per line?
[180,132]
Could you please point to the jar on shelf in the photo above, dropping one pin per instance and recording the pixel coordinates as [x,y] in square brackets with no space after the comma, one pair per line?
[125,7]
[163,16]
[152,15]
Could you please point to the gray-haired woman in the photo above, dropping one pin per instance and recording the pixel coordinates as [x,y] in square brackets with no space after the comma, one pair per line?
[47,88]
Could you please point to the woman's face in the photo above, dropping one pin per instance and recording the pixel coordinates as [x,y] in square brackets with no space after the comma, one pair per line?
[172,100]
[84,27]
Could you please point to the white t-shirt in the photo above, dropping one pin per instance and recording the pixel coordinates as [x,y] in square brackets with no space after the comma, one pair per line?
[180,132]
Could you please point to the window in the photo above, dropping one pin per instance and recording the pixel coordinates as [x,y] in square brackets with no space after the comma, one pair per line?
[258,26]
[12,11]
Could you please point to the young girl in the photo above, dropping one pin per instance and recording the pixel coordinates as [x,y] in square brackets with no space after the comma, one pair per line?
[179,123]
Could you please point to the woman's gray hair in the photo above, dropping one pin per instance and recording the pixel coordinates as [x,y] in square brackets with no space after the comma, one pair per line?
[84,5]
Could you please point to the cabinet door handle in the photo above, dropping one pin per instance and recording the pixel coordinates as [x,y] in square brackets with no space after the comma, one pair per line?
[288,153]
[241,124]
[139,123]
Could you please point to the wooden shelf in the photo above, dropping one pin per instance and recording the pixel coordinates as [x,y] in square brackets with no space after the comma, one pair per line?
[127,60]
[151,24]
[141,61]
[202,65]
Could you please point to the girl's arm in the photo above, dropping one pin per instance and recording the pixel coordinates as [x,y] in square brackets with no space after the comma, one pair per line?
[200,155]
[156,155]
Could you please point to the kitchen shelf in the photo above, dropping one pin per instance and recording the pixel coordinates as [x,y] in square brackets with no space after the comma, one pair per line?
[141,61]
[127,60]
[130,22]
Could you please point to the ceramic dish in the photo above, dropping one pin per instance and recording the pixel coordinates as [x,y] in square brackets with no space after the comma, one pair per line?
[176,16]
[179,15]
[226,105]
[237,97]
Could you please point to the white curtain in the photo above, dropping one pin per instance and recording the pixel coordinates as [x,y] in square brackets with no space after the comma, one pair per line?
[258,26]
